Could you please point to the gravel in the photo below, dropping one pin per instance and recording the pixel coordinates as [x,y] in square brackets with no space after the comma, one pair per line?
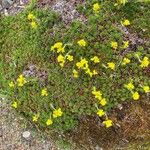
[16,135]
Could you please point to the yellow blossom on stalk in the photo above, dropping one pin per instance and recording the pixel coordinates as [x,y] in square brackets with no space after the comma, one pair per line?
[57,113]
[61,50]
[49,122]
[129,86]
[120,2]
[31,16]
[95,59]
[125,44]
[146,88]
[14,104]
[94,72]
[111,65]
[97,94]
[11,84]
[144,62]
[103,102]
[70,57]
[82,64]
[82,43]
[44,92]
[61,64]
[61,58]
[59,47]
[96,7]
[88,71]
[125,61]
[114,45]
[108,123]
[100,112]
[135,95]
[125,22]
[33,24]
[21,80]
[75,74]
[35,117]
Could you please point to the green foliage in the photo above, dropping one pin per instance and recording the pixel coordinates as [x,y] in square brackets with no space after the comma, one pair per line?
[21,45]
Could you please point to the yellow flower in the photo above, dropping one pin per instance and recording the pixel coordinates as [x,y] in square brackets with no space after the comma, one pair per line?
[136,96]
[125,22]
[61,64]
[125,44]
[111,65]
[108,123]
[120,2]
[14,104]
[100,112]
[61,58]
[129,86]
[125,61]
[94,72]
[114,45]
[75,74]
[146,88]
[57,113]
[82,43]
[21,80]
[31,16]
[96,7]
[103,102]
[59,47]
[70,57]
[33,24]
[97,94]
[49,122]
[44,92]
[95,59]
[82,64]
[144,62]
[35,118]
[11,84]
[88,71]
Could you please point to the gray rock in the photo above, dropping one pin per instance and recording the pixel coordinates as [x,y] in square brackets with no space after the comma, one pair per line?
[26,135]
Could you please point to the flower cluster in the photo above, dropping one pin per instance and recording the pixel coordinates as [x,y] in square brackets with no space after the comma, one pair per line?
[21,80]
[82,43]
[145,62]
[44,92]
[102,101]
[114,44]
[84,65]
[32,20]
[135,94]
[125,22]
[60,49]
[96,7]
[55,114]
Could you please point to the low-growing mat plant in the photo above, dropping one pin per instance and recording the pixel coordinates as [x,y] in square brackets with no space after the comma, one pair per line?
[55,73]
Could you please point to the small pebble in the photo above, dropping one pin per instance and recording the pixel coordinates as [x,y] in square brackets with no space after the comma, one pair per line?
[26,135]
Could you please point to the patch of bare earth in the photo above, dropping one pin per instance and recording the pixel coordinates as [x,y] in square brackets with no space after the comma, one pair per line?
[12,129]
[131,127]
[66,9]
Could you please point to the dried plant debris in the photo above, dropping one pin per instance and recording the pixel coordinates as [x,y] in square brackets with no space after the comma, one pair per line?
[67,9]
[12,7]
[33,71]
